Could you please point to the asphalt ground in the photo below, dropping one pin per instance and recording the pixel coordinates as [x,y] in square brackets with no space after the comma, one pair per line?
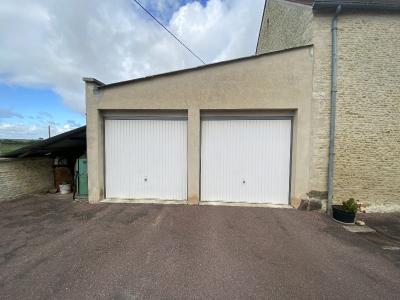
[54,248]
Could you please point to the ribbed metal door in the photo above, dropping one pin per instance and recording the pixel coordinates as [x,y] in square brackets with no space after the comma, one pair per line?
[245,161]
[146,159]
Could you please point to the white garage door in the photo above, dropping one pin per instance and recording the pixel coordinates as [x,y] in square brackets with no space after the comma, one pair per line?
[245,161]
[146,159]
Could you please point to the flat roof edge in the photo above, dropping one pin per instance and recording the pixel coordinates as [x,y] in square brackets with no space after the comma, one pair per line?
[93,80]
[201,67]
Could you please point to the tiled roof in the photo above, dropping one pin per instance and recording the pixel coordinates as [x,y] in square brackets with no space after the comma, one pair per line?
[305,2]
[359,4]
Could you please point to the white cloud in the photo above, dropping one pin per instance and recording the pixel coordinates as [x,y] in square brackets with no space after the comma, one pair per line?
[54,44]
[162,9]
[7,113]
[34,131]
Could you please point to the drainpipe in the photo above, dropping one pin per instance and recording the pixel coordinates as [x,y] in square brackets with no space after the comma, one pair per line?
[332,128]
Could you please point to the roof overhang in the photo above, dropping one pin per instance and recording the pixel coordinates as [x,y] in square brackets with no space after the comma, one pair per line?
[331,5]
[67,143]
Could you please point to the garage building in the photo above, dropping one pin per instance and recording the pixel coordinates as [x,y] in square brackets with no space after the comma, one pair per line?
[230,132]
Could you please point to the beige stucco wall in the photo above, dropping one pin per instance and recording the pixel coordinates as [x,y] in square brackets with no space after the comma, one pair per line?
[285,25]
[24,176]
[277,81]
[367,160]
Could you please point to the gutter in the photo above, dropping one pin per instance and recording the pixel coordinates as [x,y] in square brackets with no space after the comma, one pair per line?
[332,123]
[356,6]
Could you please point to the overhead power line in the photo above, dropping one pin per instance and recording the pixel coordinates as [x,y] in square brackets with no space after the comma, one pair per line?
[173,35]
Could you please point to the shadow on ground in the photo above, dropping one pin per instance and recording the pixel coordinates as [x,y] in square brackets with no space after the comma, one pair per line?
[52,247]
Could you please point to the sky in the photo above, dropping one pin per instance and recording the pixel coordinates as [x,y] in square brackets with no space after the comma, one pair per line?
[47,46]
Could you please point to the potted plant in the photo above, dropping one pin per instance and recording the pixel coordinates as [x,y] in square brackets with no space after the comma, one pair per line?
[345,213]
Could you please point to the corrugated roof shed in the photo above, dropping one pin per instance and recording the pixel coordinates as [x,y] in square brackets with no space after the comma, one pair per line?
[65,143]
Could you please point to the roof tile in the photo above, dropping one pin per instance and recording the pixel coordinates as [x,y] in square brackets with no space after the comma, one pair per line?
[360,4]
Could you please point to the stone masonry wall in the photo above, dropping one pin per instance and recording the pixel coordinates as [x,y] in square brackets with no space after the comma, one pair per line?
[367,156]
[320,102]
[285,25]
[23,176]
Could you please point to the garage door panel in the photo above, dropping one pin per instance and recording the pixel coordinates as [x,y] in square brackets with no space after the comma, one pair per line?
[245,161]
[146,159]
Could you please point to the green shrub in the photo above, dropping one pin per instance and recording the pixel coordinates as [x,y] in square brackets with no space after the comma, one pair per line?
[350,206]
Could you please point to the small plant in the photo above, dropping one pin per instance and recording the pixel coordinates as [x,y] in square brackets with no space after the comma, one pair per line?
[350,206]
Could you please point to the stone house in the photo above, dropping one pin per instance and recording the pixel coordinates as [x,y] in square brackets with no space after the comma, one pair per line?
[160,138]
[367,142]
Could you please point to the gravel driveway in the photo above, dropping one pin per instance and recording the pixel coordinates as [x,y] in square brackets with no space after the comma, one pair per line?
[54,248]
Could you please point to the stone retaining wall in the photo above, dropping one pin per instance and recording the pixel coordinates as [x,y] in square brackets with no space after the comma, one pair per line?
[23,176]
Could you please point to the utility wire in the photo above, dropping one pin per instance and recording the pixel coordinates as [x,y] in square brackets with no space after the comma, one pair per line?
[173,35]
